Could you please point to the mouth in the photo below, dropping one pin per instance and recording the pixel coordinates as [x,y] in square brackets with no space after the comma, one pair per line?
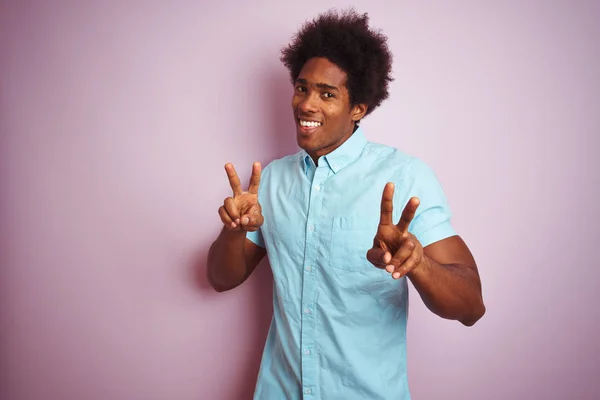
[308,126]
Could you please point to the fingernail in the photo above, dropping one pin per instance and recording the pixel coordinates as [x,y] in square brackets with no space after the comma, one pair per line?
[237,221]
[233,225]
[396,275]
[389,268]
[245,221]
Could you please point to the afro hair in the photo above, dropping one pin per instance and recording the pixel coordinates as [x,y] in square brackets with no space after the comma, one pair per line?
[345,39]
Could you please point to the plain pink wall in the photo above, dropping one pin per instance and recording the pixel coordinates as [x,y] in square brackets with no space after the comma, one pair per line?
[116,120]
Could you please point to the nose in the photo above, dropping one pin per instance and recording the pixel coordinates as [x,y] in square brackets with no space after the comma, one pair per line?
[308,103]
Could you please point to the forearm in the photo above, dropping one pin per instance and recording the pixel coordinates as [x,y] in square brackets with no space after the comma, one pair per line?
[451,291]
[226,264]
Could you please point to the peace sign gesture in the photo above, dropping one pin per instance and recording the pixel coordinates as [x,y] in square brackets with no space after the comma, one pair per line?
[394,248]
[242,212]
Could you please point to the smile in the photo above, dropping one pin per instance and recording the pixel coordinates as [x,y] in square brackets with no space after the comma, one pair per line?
[309,124]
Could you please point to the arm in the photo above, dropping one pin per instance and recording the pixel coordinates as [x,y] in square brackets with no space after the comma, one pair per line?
[233,257]
[448,281]
[444,273]
[231,260]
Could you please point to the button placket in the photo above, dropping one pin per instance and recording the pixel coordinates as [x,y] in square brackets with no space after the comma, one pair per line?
[309,284]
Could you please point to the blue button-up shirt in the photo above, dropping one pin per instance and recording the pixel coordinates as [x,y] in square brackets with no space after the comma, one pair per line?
[339,323]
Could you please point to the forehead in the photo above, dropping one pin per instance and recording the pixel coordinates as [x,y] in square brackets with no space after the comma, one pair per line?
[322,70]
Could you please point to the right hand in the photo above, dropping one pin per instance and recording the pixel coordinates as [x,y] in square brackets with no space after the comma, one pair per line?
[242,212]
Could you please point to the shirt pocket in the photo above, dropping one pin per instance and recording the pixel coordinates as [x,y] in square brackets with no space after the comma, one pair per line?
[351,238]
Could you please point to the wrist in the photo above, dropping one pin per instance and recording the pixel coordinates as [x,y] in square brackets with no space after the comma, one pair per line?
[233,234]
[423,269]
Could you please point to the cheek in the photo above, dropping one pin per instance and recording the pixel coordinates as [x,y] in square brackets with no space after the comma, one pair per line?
[296,99]
[332,113]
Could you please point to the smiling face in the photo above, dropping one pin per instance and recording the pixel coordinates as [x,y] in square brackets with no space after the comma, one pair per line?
[321,103]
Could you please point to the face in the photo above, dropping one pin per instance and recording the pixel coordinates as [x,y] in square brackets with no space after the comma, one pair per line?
[321,104]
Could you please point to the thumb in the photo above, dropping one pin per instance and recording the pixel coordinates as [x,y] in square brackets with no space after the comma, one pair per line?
[378,257]
[251,222]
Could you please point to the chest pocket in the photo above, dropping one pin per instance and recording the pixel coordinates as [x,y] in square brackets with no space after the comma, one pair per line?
[351,238]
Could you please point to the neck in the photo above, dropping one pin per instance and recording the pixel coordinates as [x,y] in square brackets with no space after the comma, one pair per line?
[323,152]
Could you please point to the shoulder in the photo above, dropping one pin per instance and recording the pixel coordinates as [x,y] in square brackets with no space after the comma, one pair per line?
[407,170]
[286,161]
[397,160]
[281,166]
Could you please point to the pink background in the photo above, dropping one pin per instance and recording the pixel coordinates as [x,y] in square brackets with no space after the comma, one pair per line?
[116,120]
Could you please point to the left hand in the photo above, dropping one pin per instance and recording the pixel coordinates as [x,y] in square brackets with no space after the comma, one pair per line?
[394,248]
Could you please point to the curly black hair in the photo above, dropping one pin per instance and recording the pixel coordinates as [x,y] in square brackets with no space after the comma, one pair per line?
[345,39]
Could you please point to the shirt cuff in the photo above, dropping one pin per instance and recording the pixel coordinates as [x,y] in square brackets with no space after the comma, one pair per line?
[436,233]
[256,238]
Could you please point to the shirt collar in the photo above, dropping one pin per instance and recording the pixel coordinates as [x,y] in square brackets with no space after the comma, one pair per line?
[349,151]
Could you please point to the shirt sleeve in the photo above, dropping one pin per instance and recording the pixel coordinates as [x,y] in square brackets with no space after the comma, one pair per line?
[256,237]
[431,222]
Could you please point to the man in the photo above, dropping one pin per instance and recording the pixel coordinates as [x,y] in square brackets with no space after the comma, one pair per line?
[344,223]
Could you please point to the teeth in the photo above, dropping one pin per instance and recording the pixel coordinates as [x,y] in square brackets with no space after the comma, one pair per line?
[310,123]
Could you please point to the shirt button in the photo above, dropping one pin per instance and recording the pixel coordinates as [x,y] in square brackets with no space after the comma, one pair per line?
[311,227]
[307,310]
[308,268]
[307,391]
[307,352]
[318,187]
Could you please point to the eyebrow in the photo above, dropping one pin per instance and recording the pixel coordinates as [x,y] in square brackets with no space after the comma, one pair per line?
[320,85]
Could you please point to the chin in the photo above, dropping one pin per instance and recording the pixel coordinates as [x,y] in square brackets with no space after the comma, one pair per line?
[305,144]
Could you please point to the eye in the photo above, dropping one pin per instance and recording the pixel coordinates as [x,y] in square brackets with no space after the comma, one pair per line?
[328,95]
[300,89]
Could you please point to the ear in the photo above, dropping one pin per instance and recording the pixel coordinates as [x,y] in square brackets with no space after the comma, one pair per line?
[358,112]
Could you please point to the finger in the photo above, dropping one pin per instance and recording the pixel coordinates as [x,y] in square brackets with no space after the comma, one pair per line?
[378,257]
[232,210]
[403,253]
[253,214]
[387,205]
[411,263]
[226,219]
[251,222]
[255,178]
[408,214]
[234,180]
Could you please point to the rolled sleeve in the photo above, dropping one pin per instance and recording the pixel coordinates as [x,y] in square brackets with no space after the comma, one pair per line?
[256,237]
[432,218]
